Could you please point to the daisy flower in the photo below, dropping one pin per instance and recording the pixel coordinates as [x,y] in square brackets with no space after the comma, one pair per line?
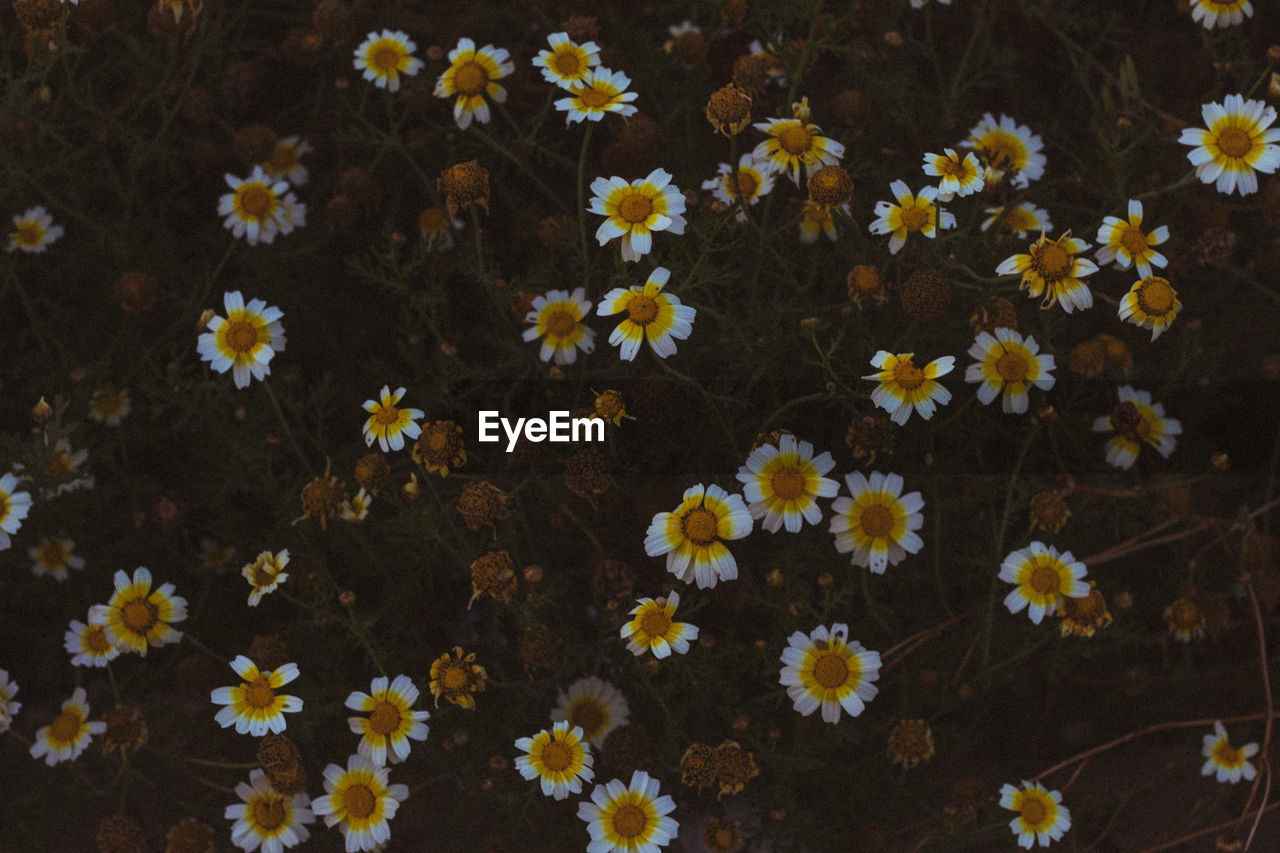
[1041,815]
[253,705]
[792,143]
[594,706]
[14,506]
[912,214]
[693,536]
[1006,147]
[1019,220]
[252,208]
[62,469]
[654,629]
[566,62]
[754,181]
[245,341]
[472,74]
[1083,616]
[8,707]
[1151,303]
[53,556]
[781,482]
[69,733]
[633,211]
[286,161]
[558,316]
[1053,268]
[384,56]
[391,721]
[267,818]
[360,801]
[961,176]
[558,758]
[1236,144]
[904,386]
[1127,244]
[816,219]
[1008,363]
[265,574]
[825,670]
[457,677]
[652,315]
[356,507]
[1220,13]
[33,231]
[1042,578]
[1230,764]
[136,618]
[293,213]
[387,423]
[877,523]
[627,819]
[599,91]
[88,645]
[1137,421]
[1185,619]
[109,406]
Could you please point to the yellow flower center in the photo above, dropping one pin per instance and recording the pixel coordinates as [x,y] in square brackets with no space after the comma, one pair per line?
[263,576]
[52,554]
[108,404]
[1033,811]
[138,615]
[796,140]
[1012,367]
[1045,578]
[629,821]
[65,728]
[471,79]
[432,221]
[1227,755]
[385,718]
[268,813]
[830,670]
[1234,142]
[557,756]
[655,622]
[908,375]
[1018,220]
[29,235]
[724,838]
[877,521]
[1184,615]
[455,677]
[1002,151]
[567,64]
[359,801]
[385,57]
[1133,240]
[560,323]
[256,201]
[699,527]
[952,168]
[642,309]
[594,98]
[283,159]
[747,184]
[241,335]
[95,640]
[915,217]
[1155,296]
[4,506]
[1051,261]
[587,714]
[259,694]
[788,483]
[386,415]
[635,208]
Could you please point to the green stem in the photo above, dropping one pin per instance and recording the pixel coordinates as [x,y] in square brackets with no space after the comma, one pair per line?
[275,404]
[475,226]
[582,205]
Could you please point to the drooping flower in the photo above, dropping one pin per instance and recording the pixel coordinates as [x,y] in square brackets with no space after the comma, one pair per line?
[599,91]
[558,758]
[1042,578]
[1041,815]
[877,523]
[629,819]
[137,618]
[1229,763]
[557,318]
[826,670]
[472,75]
[1019,220]
[33,232]
[594,706]
[1007,148]
[245,341]
[1151,303]
[782,482]
[1220,13]
[360,801]
[254,706]
[69,733]
[913,214]
[815,220]
[265,574]
[1235,144]
[566,61]
[254,209]
[654,628]
[1007,364]
[693,536]
[1124,242]
[754,182]
[384,56]
[267,818]
[456,676]
[652,314]
[903,386]
[961,175]
[389,424]
[1137,421]
[633,211]
[1084,615]
[391,723]
[793,143]
[1053,268]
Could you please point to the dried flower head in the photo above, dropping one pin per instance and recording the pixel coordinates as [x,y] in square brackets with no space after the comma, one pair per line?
[189,835]
[722,835]
[282,763]
[751,72]
[120,833]
[372,472]
[464,184]
[1185,619]
[698,766]
[926,294]
[610,406]
[587,474]
[135,291]
[830,186]
[322,498]
[626,749]
[734,767]
[126,729]
[440,447]
[996,313]
[864,282]
[40,17]
[613,580]
[729,109]
[1082,616]
[539,647]
[910,743]
[255,143]
[481,504]
[493,574]
[457,677]
[268,652]
[1049,511]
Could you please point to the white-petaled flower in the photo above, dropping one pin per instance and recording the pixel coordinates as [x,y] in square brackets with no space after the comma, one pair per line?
[245,341]
[1151,303]
[253,705]
[594,706]
[69,733]
[63,473]
[1235,144]
[8,707]
[53,557]
[1053,269]
[558,757]
[109,405]
[781,483]
[826,670]
[755,181]
[961,175]
[633,211]
[360,801]
[877,523]
[599,91]
[1042,578]
[1229,763]
[794,143]
[384,56]
[914,213]
[265,574]
[33,231]
[1007,148]
[816,219]
[1124,242]
[1041,815]
[1007,364]
[904,387]
[1220,13]
[387,423]
[267,818]
[1137,421]
[566,61]
[88,645]
[693,536]
[652,314]
[472,75]
[355,508]
[557,318]
[286,161]
[253,208]
[1019,220]
[137,618]
[629,819]
[654,628]
[391,723]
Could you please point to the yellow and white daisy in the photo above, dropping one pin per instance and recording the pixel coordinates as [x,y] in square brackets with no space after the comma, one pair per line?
[457,677]
[136,618]
[816,219]
[961,176]
[293,213]
[360,801]
[391,723]
[252,208]
[566,61]
[1229,763]
[53,557]
[652,315]
[8,707]
[355,508]
[267,818]
[109,406]
[599,91]
[1151,303]
[792,143]
[1041,815]
[436,228]
[558,758]
[594,706]
[1137,421]
[1053,269]
[1042,578]
[633,211]
[903,386]
[629,819]
[1127,244]
[693,536]
[33,231]
[384,56]
[69,733]
[265,574]
[1234,145]
[1007,148]
[654,628]
[825,670]
[912,214]
[1019,220]
[754,182]
[389,424]
[253,705]
[782,482]
[88,645]
[557,319]
[1007,364]
[1220,13]
[472,75]
[62,472]
[877,523]
[245,341]
[285,162]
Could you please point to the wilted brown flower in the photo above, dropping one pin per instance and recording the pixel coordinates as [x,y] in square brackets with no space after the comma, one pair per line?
[1082,616]
[851,107]
[926,295]
[698,766]
[120,833]
[268,652]
[734,767]
[586,474]
[482,504]
[722,835]
[457,677]
[910,743]
[282,763]
[440,447]
[322,498]
[864,282]
[255,143]
[493,574]
[613,580]
[464,184]
[539,646]
[751,72]
[135,291]
[189,836]
[772,436]
[609,404]
[1185,620]
[1049,511]
[729,109]
[639,144]
[334,20]
[626,749]
[830,186]
[689,47]
[40,17]
[126,729]
[372,472]
[1214,247]
[871,435]
[996,313]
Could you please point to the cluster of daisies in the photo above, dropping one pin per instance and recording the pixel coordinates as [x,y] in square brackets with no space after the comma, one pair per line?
[261,206]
